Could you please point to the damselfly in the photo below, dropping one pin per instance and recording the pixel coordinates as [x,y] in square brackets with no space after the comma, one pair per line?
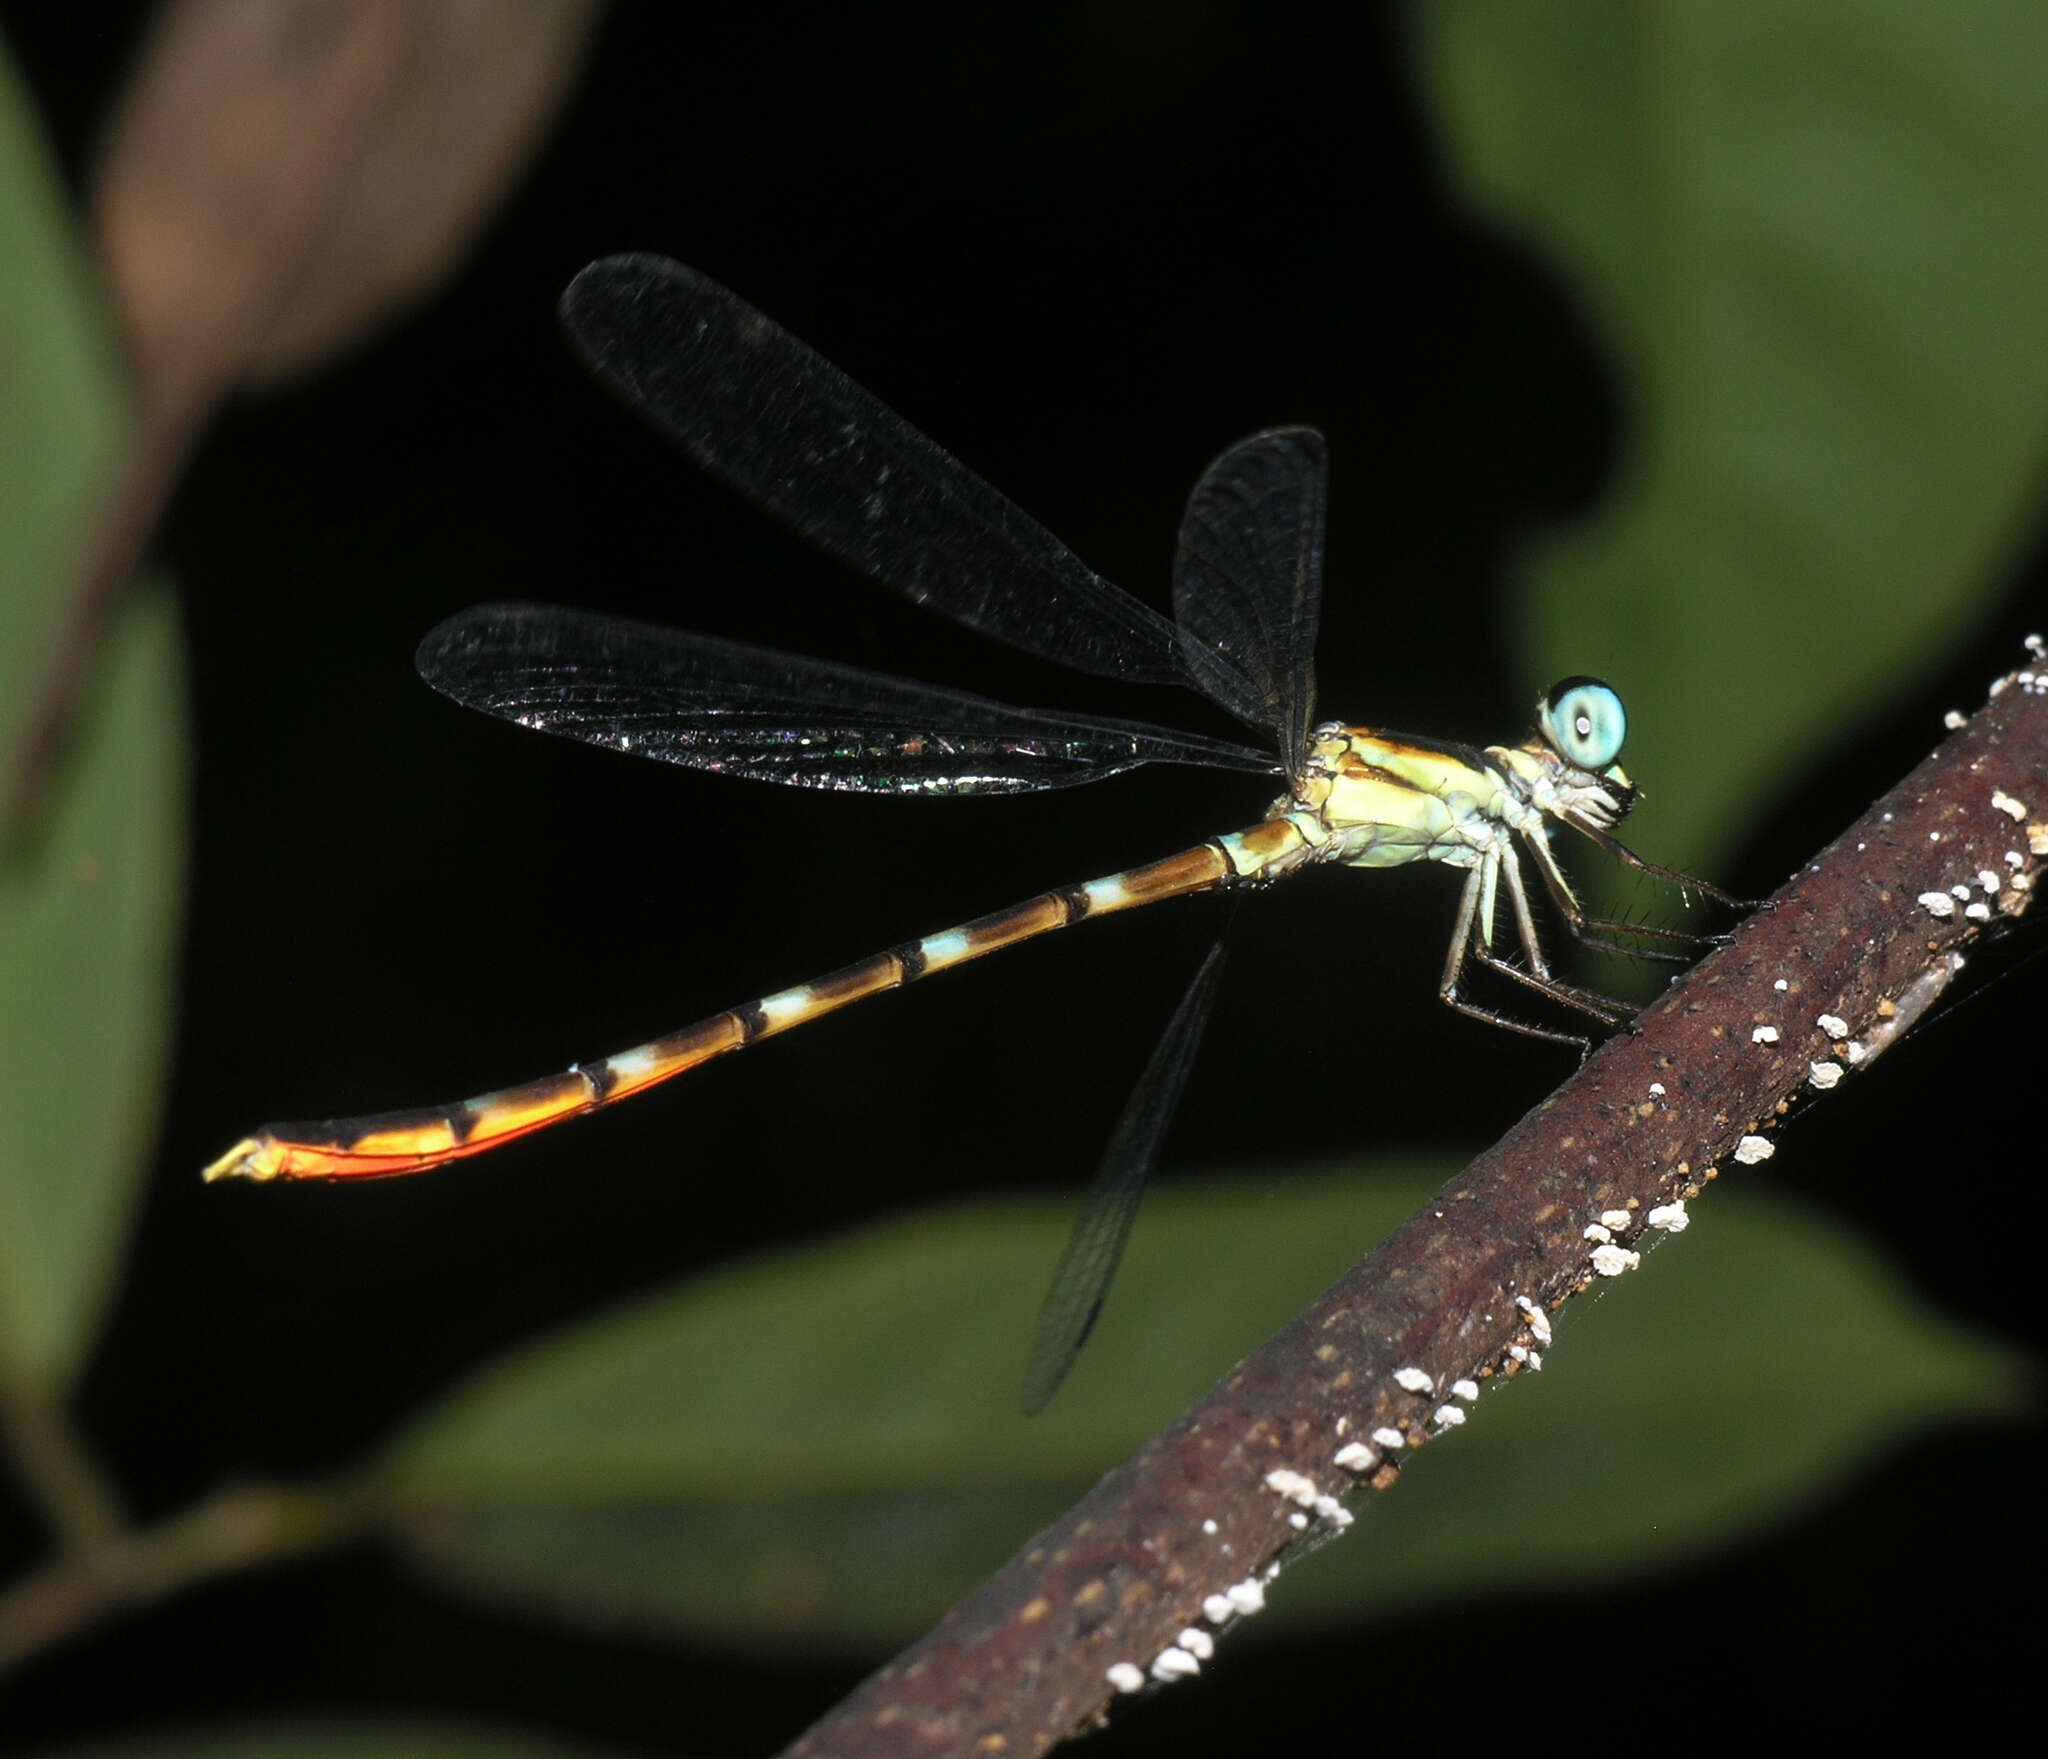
[793,433]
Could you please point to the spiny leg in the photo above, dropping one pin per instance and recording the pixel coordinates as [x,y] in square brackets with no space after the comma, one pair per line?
[1470,936]
[1538,974]
[1685,883]
[1604,934]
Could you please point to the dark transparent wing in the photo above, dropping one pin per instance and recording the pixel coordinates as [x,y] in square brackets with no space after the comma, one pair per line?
[792,432]
[1081,1280]
[1248,582]
[777,717]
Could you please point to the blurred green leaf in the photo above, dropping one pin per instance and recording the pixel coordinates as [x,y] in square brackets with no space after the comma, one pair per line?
[341,1738]
[1737,1379]
[828,1440]
[88,944]
[895,1356]
[1811,230]
[89,906]
[62,405]
[825,1443]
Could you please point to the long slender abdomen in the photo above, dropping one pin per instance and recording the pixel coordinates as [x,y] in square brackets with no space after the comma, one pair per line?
[409,1142]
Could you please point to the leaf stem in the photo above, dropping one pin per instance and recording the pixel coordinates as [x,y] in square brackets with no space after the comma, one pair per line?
[236,1528]
[53,1462]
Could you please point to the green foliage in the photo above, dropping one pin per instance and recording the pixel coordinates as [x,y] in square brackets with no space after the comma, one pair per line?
[62,408]
[824,1444]
[1810,233]
[1731,1383]
[89,904]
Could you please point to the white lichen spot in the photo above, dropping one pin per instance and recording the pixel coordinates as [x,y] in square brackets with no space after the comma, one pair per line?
[1174,1663]
[2015,810]
[1952,720]
[1389,1439]
[1197,1642]
[1125,1677]
[1990,879]
[1534,1358]
[1246,1597]
[1823,1075]
[1539,1321]
[1518,1353]
[1656,1089]
[1447,1417]
[1671,1217]
[1414,1380]
[1597,1232]
[1833,1025]
[1216,1608]
[2014,859]
[1959,893]
[1618,1219]
[1209,1527]
[1614,1260]
[1468,1390]
[1294,1486]
[2037,839]
[1355,1456]
[1781,986]
[1298,1521]
[1855,1053]
[1977,912]
[1764,1035]
[1329,1509]
[1752,1149]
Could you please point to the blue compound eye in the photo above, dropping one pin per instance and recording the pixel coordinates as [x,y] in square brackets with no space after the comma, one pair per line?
[1584,722]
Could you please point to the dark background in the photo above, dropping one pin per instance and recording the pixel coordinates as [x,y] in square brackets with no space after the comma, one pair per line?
[1085,248]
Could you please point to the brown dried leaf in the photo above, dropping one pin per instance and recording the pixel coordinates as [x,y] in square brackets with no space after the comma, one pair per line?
[279,178]
[483,82]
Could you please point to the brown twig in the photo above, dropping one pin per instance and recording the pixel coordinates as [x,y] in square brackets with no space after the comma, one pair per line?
[147,475]
[54,1465]
[1134,1584]
[235,1529]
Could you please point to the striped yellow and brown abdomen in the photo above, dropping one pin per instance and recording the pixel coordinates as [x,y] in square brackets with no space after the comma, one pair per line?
[393,1143]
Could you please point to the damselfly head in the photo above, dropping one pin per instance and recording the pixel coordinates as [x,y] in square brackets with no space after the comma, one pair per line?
[1582,720]
[1568,767]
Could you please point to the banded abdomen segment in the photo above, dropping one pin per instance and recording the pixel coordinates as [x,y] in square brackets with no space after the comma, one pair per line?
[408,1142]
